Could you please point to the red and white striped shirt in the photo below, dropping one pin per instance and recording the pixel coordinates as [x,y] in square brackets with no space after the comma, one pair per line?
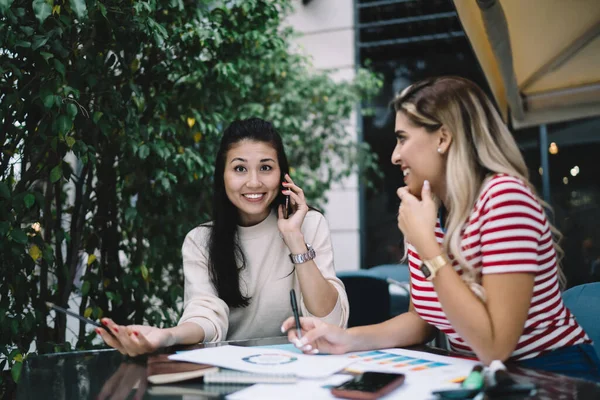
[507,232]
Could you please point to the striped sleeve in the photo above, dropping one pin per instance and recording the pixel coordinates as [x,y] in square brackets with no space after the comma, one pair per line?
[512,225]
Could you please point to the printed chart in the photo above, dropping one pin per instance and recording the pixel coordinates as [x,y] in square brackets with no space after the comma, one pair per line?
[413,364]
[390,361]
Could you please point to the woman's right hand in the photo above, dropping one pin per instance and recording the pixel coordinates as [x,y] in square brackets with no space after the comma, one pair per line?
[134,340]
[318,335]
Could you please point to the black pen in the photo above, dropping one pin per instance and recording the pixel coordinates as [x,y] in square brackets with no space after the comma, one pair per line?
[295,312]
[79,317]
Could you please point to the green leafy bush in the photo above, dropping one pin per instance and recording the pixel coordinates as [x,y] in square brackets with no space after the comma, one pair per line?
[110,115]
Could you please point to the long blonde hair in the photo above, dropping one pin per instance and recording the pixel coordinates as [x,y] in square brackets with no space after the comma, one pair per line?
[481,146]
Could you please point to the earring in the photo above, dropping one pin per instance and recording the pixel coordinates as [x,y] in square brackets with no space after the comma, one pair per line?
[439,150]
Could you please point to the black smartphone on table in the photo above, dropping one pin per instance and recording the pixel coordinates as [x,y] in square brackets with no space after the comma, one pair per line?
[368,386]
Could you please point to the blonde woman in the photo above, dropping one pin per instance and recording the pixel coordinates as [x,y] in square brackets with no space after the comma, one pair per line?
[483,264]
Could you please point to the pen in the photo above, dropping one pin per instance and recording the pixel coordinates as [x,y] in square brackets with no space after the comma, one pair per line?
[79,317]
[295,312]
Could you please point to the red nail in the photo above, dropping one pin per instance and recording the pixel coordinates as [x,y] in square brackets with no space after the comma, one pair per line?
[136,333]
[98,331]
[104,322]
[115,329]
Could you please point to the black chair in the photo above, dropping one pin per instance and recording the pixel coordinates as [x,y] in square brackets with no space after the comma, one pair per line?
[398,276]
[368,296]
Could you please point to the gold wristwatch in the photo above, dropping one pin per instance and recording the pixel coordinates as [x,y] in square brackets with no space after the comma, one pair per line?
[430,268]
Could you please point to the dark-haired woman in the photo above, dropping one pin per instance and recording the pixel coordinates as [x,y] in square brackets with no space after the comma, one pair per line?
[240,267]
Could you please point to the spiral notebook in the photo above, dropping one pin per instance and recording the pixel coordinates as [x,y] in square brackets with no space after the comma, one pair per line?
[228,376]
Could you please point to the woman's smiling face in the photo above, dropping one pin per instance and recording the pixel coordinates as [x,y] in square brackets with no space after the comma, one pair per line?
[416,153]
[252,179]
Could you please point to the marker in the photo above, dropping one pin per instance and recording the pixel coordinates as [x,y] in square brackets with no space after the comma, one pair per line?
[475,378]
[295,312]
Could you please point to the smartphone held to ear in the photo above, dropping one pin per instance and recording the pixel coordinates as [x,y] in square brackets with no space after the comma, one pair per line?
[368,386]
[286,207]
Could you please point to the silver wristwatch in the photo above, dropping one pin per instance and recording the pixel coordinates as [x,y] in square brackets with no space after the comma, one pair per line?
[304,257]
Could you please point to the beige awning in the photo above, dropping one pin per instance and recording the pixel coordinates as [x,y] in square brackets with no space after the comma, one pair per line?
[541,58]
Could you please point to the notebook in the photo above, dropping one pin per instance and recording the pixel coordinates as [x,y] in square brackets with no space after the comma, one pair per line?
[228,376]
[195,390]
[161,370]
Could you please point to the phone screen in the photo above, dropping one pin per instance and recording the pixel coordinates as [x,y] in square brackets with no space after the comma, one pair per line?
[370,381]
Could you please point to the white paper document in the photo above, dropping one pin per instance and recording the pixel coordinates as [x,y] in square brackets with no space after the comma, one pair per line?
[425,373]
[313,389]
[268,361]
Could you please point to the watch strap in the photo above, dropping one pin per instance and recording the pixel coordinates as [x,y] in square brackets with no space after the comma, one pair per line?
[432,266]
[304,257]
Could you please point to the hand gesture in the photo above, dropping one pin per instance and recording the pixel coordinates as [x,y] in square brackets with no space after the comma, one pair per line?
[317,336]
[417,218]
[134,340]
[298,205]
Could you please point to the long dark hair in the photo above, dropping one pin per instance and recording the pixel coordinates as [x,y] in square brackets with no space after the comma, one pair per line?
[226,258]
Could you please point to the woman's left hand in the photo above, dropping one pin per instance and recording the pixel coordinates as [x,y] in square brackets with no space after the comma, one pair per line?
[416,220]
[298,208]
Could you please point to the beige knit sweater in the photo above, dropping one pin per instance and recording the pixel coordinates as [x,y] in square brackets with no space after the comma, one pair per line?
[266,279]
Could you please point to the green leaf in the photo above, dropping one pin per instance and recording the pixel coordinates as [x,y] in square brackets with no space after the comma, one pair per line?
[143,151]
[144,271]
[4,229]
[56,173]
[47,98]
[25,29]
[22,43]
[85,288]
[4,190]
[29,199]
[16,371]
[46,56]
[102,9]
[39,41]
[70,141]
[64,124]
[72,110]
[41,9]
[5,5]
[79,7]
[18,236]
[96,117]
[59,67]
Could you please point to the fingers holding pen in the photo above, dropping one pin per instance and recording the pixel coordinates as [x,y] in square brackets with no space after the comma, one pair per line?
[307,326]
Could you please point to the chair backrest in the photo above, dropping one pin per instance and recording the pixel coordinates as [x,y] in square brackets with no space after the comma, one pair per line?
[368,296]
[397,272]
[398,277]
[584,303]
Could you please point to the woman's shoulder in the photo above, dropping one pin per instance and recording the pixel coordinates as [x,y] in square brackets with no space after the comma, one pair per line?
[499,183]
[314,220]
[506,188]
[199,234]
[315,215]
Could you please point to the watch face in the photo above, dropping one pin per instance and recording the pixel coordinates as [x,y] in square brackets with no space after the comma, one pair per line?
[425,271]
